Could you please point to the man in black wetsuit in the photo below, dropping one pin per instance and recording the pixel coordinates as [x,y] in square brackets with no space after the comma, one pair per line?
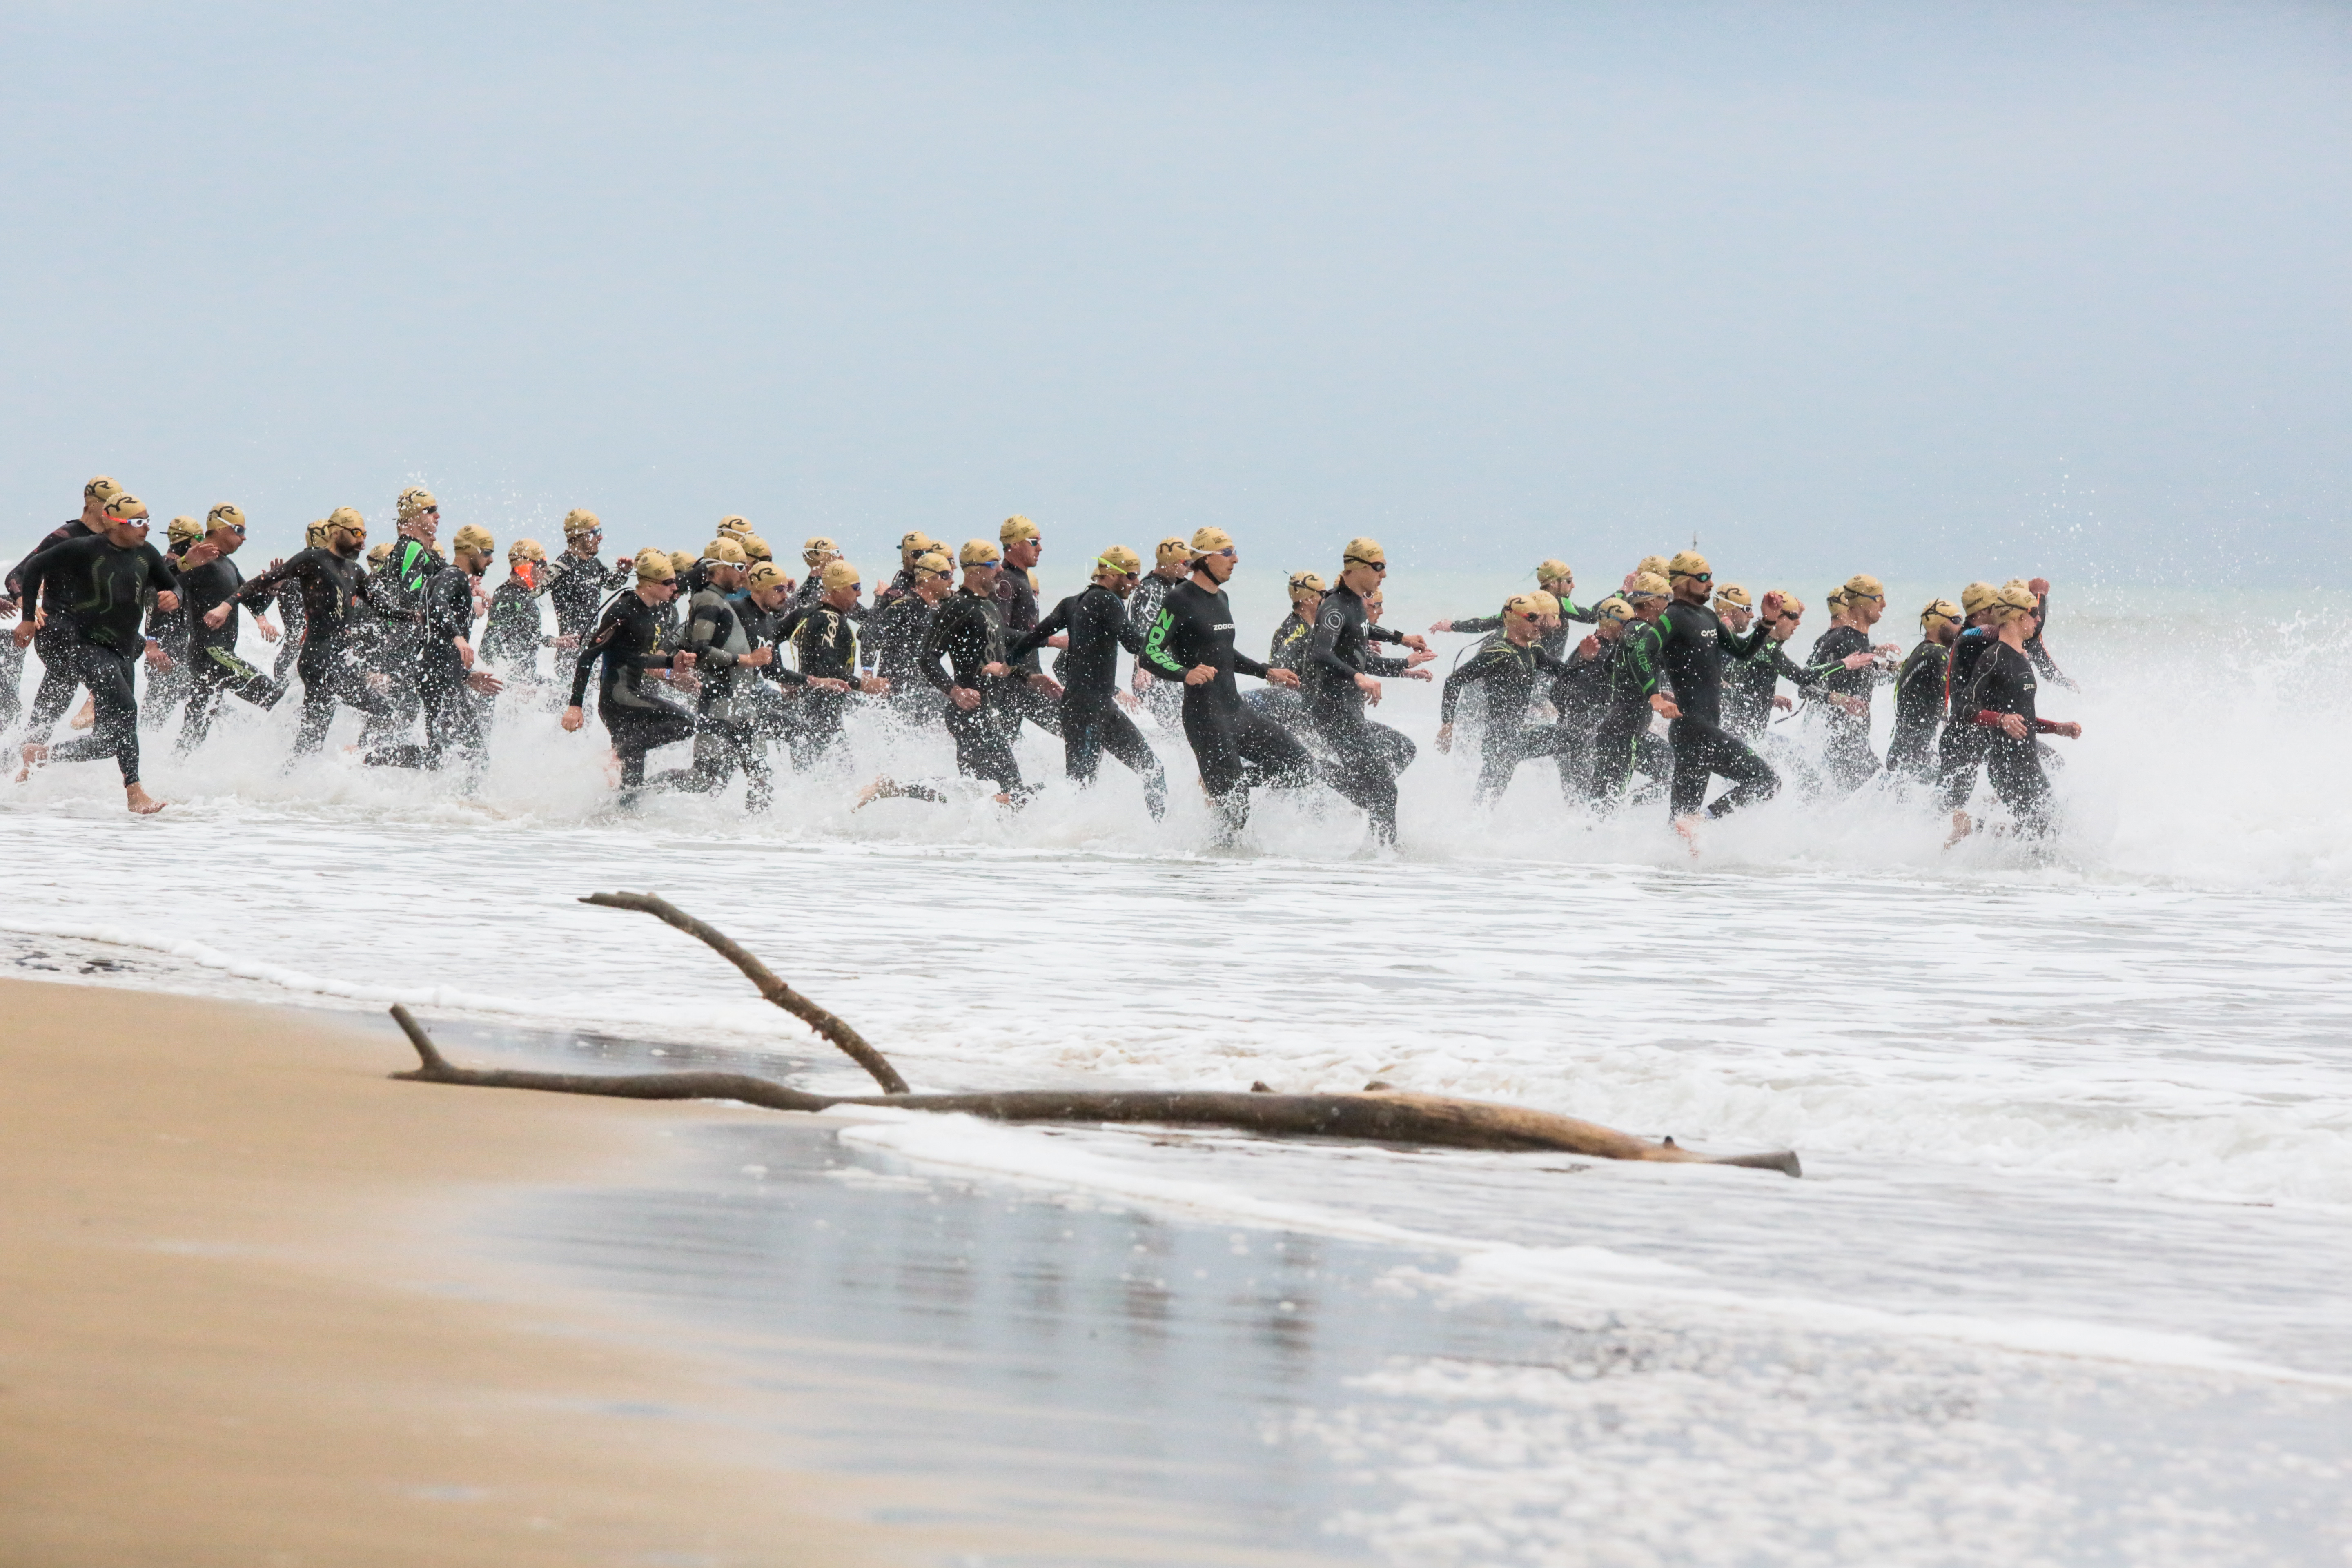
[913,546]
[968,631]
[1960,750]
[208,595]
[824,638]
[1507,669]
[1032,695]
[444,677]
[733,644]
[58,680]
[638,718]
[167,683]
[397,593]
[514,629]
[1999,700]
[1093,625]
[1553,577]
[1341,671]
[1846,750]
[97,582]
[1163,699]
[1692,645]
[1192,642]
[578,581]
[1919,698]
[1622,742]
[895,633]
[337,620]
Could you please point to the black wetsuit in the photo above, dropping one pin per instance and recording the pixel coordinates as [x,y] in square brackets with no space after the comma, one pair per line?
[167,687]
[1621,743]
[1016,602]
[729,735]
[2004,683]
[894,636]
[1367,755]
[453,720]
[825,640]
[1233,746]
[1960,749]
[1846,738]
[336,610]
[96,590]
[1164,700]
[577,585]
[1692,644]
[969,633]
[1919,710]
[1098,624]
[516,629]
[215,671]
[398,595]
[60,669]
[638,716]
[1507,674]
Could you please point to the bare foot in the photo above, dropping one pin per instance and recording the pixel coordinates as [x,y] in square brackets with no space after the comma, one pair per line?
[1962,828]
[35,755]
[880,789]
[88,716]
[1689,828]
[142,803]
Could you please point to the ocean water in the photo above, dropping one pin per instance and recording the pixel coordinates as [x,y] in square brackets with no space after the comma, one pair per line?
[2076,1120]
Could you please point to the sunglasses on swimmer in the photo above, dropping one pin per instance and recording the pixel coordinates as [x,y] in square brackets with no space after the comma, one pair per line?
[1380,566]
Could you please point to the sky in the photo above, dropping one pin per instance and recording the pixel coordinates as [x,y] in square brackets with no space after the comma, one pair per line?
[1925,290]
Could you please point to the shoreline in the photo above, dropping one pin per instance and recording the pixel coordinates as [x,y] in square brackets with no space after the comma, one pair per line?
[254,1320]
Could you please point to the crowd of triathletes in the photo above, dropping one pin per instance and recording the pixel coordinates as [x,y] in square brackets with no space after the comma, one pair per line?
[1669,684]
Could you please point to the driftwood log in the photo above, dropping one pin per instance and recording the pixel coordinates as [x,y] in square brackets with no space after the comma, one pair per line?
[1378,1115]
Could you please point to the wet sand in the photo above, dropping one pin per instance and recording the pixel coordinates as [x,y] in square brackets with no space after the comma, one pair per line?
[247,1324]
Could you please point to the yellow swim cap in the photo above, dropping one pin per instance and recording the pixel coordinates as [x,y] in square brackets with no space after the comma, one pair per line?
[839,573]
[1118,558]
[1732,594]
[125,507]
[580,521]
[725,549]
[186,528]
[523,550]
[1863,585]
[1648,585]
[1302,583]
[1552,570]
[1173,551]
[981,553]
[417,499]
[766,574]
[1207,541]
[1939,610]
[1689,563]
[652,566]
[1363,551]
[1017,529]
[473,536]
[933,564]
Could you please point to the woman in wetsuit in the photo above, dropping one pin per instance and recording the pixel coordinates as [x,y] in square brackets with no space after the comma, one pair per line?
[1999,700]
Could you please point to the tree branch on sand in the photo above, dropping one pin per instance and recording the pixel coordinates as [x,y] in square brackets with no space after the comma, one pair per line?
[1378,1115]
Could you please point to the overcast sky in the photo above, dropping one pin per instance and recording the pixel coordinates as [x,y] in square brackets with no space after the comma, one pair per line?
[1919,289]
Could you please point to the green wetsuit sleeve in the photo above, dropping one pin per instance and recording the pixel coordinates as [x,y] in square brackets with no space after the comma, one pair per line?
[1157,656]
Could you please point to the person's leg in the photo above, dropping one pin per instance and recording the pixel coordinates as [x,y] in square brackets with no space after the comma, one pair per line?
[1613,753]
[60,679]
[1216,749]
[114,729]
[2014,770]
[321,682]
[205,685]
[12,678]
[1117,735]
[983,751]
[1702,751]
[1082,741]
[1360,771]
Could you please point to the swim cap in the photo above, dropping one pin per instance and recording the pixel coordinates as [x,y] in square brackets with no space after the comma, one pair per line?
[1525,607]
[473,536]
[1976,596]
[1655,566]
[1648,585]
[981,553]
[123,506]
[101,490]
[934,564]
[1863,585]
[525,550]
[1118,558]
[818,549]
[730,524]
[1732,594]
[1939,610]
[1837,601]
[725,549]
[652,566]
[417,499]
[765,575]
[1689,563]
[379,555]
[1614,608]
[1173,550]
[680,560]
[185,530]
[757,548]
[347,517]
[1207,541]
[1548,603]
[224,516]
[1017,529]
[580,521]
[316,535]
[1305,583]
[2015,599]
[913,544]
[1790,604]
[1364,552]
[839,573]
[1552,570]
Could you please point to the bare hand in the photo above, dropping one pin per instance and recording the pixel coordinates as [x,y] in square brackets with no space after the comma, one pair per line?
[681,661]
[465,652]
[1422,655]
[1059,639]
[23,635]
[1445,737]
[1371,689]
[167,601]
[216,618]
[997,668]
[1046,684]
[1589,649]
[1416,642]
[570,639]
[874,686]
[1127,699]
[483,681]
[2072,731]
[1441,626]
[758,658]
[1853,705]
[964,697]
[262,624]
[156,658]
[378,681]
[1769,605]
[2013,726]
[827,683]
[1665,707]
[1856,660]
[2040,585]
[1285,679]
[1782,703]
[1202,674]
[573,718]
[202,552]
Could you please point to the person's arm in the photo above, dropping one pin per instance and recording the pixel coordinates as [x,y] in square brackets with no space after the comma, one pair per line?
[943,628]
[1323,647]
[1477,624]
[702,631]
[1056,621]
[1479,668]
[1740,645]
[592,649]
[1160,653]
[1244,664]
[16,583]
[35,569]
[1129,634]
